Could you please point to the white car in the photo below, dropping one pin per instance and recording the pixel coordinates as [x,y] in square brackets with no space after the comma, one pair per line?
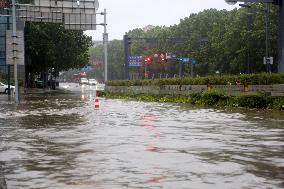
[4,88]
[93,82]
[84,81]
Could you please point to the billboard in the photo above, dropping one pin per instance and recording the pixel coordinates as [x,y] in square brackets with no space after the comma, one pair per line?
[73,14]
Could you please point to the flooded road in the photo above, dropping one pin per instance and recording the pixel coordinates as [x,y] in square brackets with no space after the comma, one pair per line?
[58,140]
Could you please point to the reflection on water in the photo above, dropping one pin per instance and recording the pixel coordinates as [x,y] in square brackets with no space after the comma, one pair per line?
[3,184]
[60,141]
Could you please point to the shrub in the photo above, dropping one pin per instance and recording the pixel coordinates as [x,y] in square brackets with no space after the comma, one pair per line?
[277,103]
[214,98]
[195,98]
[253,79]
[254,100]
[211,98]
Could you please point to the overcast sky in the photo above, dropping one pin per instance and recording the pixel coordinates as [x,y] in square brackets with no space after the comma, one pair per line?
[125,15]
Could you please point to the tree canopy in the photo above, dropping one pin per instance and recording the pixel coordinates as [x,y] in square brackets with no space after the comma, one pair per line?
[236,43]
[51,46]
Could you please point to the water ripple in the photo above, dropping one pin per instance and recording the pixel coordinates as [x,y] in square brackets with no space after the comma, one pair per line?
[61,141]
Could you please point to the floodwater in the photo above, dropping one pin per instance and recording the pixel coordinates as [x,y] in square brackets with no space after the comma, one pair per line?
[58,140]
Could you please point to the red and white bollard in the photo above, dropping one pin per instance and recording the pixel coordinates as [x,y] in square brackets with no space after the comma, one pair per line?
[97,103]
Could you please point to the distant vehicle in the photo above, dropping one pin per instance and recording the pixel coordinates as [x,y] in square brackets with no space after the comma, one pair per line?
[93,82]
[4,88]
[84,81]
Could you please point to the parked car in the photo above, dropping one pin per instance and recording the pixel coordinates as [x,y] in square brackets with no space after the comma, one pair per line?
[93,82]
[83,81]
[4,88]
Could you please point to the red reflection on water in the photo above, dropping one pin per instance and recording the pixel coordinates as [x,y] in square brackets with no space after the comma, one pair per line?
[152,149]
[148,121]
[157,179]
[153,135]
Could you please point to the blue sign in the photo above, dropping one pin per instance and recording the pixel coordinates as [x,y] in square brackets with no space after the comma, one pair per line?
[135,61]
[188,60]
[184,60]
[135,57]
[135,64]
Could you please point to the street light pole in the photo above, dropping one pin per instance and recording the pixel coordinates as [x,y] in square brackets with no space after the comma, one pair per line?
[267,34]
[191,69]
[14,33]
[105,39]
[281,38]
[281,28]
[267,38]
[127,43]
[249,26]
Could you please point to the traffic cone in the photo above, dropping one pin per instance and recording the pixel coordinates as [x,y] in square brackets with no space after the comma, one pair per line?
[97,104]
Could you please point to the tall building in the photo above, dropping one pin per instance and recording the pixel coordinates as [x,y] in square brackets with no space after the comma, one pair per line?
[5,24]
[5,68]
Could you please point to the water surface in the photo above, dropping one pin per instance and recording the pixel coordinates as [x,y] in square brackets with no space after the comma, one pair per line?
[58,140]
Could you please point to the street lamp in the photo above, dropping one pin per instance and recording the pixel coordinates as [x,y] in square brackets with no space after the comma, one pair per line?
[267,34]
[105,41]
[14,33]
[281,26]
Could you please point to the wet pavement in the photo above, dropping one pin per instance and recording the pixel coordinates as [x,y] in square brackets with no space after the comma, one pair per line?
[58,140]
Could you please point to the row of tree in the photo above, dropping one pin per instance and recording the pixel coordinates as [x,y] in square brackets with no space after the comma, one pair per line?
[236,43]
[51,49]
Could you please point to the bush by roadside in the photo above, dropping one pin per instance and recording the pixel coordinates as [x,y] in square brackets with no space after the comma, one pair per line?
[252,79]
[210,98]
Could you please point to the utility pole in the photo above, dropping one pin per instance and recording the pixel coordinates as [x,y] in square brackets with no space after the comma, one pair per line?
[281,38]
[267,39]
[14,33]
[266,11]
[105,39]
[249,38]
[126,54]
[181,65]
[191,70]
[281,27]
[105,43]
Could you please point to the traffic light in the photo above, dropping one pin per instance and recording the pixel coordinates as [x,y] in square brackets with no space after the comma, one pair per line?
[163,57]
[127,40]
[148,60]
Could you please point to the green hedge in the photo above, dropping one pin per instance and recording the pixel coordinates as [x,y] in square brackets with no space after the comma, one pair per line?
[253,79]
[211,98]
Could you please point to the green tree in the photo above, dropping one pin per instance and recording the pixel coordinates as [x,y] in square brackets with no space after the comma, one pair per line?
[236,41]
[51,46]
[115,60]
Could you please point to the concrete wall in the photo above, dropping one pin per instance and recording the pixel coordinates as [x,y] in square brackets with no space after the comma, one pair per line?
[273,90]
